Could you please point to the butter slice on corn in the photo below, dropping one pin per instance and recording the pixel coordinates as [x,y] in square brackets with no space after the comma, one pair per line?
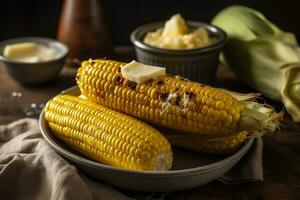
[139,73]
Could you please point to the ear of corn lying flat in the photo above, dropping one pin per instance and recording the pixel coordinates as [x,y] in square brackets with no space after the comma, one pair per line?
[213,145]
[171,101]
[226,145]
[106,135]
[168,101]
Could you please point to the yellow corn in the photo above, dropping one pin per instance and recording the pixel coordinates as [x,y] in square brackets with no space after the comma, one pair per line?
[169,101]
[222,145]
[106,135]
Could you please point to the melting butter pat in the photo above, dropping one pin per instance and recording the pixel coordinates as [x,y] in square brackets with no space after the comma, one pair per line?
[29,52]
[139,73]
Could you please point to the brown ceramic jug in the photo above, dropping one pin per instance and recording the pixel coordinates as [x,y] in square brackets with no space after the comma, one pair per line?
[83,28]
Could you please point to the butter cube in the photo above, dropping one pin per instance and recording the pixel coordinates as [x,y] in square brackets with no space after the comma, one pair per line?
[139,73]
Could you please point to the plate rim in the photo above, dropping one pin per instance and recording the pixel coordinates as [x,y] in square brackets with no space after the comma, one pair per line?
[178,172]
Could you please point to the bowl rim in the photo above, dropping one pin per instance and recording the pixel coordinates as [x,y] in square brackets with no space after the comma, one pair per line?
[63,47]
[136,39]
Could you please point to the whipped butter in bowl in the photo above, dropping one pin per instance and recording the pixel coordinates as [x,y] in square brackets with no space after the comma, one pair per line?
[177,35]
[187,48]
[32,60]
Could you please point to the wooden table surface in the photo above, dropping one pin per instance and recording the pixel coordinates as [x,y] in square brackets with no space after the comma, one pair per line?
[281,155]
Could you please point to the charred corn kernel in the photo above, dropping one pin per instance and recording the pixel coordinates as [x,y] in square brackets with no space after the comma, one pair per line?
[106,135]
[225,145]
[154,100]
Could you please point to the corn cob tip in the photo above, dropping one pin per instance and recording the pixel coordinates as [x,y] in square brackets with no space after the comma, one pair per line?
[161,162]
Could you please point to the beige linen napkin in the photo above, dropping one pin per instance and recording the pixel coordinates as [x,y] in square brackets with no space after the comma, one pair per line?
[30,169]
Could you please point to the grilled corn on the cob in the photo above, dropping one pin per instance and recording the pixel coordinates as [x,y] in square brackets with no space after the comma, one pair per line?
[214,145]
[106,135]
[170,101]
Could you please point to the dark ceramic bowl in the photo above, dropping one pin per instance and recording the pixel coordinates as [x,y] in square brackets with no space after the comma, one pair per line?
[198,64]
[34,73]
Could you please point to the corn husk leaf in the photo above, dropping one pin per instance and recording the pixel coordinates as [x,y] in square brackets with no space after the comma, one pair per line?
[242,96]
[262,55]
[290,90]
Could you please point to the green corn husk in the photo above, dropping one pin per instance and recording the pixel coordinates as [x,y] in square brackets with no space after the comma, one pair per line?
[262,55]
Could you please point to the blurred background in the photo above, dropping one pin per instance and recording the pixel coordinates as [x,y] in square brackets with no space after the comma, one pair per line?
[41,18]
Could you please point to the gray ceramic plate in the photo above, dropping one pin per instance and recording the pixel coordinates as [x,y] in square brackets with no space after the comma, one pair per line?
[189,170]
